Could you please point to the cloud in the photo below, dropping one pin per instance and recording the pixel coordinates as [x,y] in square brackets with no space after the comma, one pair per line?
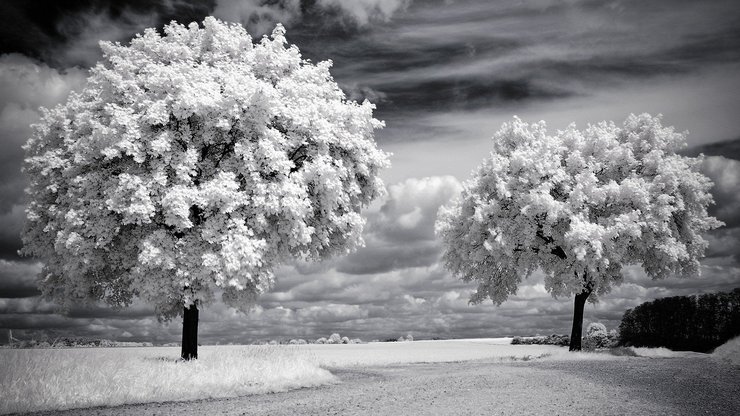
[84,31]
[725,173]
[401,233]
[729,149]
[260,16]
[365,11]
[411,208]
[18,279]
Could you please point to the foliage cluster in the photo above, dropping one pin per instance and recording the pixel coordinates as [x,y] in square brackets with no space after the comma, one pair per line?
[193,162]
[554,339]
[597,337]
[335,338]
[684,323]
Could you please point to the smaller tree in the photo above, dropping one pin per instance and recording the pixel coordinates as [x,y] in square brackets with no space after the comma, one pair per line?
[578,205]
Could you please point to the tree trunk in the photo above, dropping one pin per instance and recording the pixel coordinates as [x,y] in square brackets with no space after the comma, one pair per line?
[577,331]
[190,333]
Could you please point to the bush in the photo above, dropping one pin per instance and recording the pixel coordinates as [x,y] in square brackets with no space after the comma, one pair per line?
[596,329]
[321,340]
[596,337]
[554,339]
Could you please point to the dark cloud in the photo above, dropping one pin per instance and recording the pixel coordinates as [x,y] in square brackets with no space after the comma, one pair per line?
[18,279]
[725,173]
[729,149]
[65,33]
[387,257]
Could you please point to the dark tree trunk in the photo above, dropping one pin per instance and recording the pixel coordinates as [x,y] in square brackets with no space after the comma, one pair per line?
[577,331]
[190,333]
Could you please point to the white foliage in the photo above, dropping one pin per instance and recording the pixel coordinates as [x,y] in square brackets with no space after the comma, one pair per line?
[194,161]
[334,339]
[579,205]
[596,329]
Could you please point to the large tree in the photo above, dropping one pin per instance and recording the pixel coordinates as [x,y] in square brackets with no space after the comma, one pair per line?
[578,205]
[191,164]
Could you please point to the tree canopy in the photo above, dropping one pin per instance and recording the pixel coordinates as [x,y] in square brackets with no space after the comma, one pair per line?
[579,205]
[192,162]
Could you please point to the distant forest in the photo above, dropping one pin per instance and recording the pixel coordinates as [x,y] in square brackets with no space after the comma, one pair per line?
[683,323]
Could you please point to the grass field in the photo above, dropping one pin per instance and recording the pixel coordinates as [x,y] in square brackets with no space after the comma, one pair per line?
[56,379]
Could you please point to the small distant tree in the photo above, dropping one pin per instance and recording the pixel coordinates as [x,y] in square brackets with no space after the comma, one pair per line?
[321,340]
[194,162]
[578,205]
[334,339]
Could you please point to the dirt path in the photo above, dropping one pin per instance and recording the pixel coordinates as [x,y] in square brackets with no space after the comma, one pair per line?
[645,386]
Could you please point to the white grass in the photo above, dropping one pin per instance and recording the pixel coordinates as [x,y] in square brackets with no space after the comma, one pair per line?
[728,352]
[662,352]
[72,378]
[56,379]
[386,353]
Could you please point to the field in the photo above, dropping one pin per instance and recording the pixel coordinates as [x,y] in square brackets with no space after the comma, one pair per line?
[57,379]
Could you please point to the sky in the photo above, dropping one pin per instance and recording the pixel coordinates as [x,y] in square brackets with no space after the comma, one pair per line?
[444,76]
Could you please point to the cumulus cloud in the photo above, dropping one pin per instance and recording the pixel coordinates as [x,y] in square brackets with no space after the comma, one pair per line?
[401,233]
[725,173]
[411,208]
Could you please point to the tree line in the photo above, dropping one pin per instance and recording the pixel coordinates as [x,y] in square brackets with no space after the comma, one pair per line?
[685,323]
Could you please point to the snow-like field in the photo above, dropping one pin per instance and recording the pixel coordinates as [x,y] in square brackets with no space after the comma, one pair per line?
[55,379]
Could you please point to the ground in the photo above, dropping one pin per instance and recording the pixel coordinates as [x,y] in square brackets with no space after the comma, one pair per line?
[550,386]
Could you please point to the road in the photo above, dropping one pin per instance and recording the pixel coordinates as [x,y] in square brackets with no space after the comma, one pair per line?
[637,386]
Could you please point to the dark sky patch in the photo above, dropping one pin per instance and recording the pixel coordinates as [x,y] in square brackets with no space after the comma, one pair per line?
[729,149]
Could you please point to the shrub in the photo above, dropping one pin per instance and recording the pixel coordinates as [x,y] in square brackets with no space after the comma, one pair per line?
[596,337]
[554,339]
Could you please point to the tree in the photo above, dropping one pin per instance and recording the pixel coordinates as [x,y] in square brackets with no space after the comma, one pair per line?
[578,205]
[191,164]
